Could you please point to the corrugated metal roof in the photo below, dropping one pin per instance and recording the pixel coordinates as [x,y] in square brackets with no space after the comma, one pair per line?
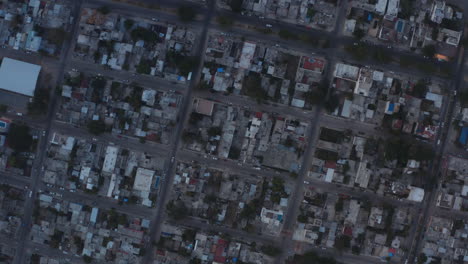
[18,76]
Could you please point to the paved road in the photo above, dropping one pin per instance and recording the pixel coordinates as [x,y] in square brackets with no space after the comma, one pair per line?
[166,184]
[441,150]
[139,79]
[42,145]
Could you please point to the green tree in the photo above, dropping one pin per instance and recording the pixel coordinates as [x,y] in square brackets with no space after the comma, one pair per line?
[186,13]
[419,89]
[271,250]
[177,210]
[144,67]
[286,34]
[104,10]
[358,51]
[224,21]
[40,102]
[359,33]
[339,205]
[87,259]
[129,24]
[332,103]
[236,5]
[463,97]
[96,127]
[3,108]
[382,56]
[429,50]
[144,34]
[19,137]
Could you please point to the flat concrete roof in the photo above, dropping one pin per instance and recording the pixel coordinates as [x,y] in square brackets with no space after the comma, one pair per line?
[18,76]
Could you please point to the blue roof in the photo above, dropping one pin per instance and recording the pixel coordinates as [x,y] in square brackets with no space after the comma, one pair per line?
[220,70]
[463,136]
[391,107]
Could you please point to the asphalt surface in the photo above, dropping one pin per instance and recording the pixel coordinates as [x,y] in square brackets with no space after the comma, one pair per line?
[42,146]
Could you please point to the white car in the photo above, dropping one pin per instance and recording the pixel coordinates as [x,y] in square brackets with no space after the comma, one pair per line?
[268,26]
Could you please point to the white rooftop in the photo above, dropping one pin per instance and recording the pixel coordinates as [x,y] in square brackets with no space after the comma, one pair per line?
[143,180]
[18,77]
[416,194]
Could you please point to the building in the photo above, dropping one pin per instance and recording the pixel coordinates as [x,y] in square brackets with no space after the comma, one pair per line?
[4,125]
[143,180]
[110,159]
[247,54]
[19,77]
[381,6]
[346,72]
[437,11]
[392,9]
[204,107]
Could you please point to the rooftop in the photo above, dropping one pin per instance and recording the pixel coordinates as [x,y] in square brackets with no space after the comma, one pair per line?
[18,76]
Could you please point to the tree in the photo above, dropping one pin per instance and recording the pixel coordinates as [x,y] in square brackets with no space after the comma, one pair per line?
[3,108]
[19,138]
[270,250]
[96,127]
[224,21]
[286,34]
[87,259]
[186,13]
[342,242]
[359,33]
[177,210]
[236,5]
[234,153]
[40,102]
[195,261]
[129,24]
[463,97]
[339,205]
[302,218]
[332,103]
[381,56]
[429,50]
[144,67]
[358,51]
[144,34]
[419,89]
[214,131]
[104,10]
[313,258]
